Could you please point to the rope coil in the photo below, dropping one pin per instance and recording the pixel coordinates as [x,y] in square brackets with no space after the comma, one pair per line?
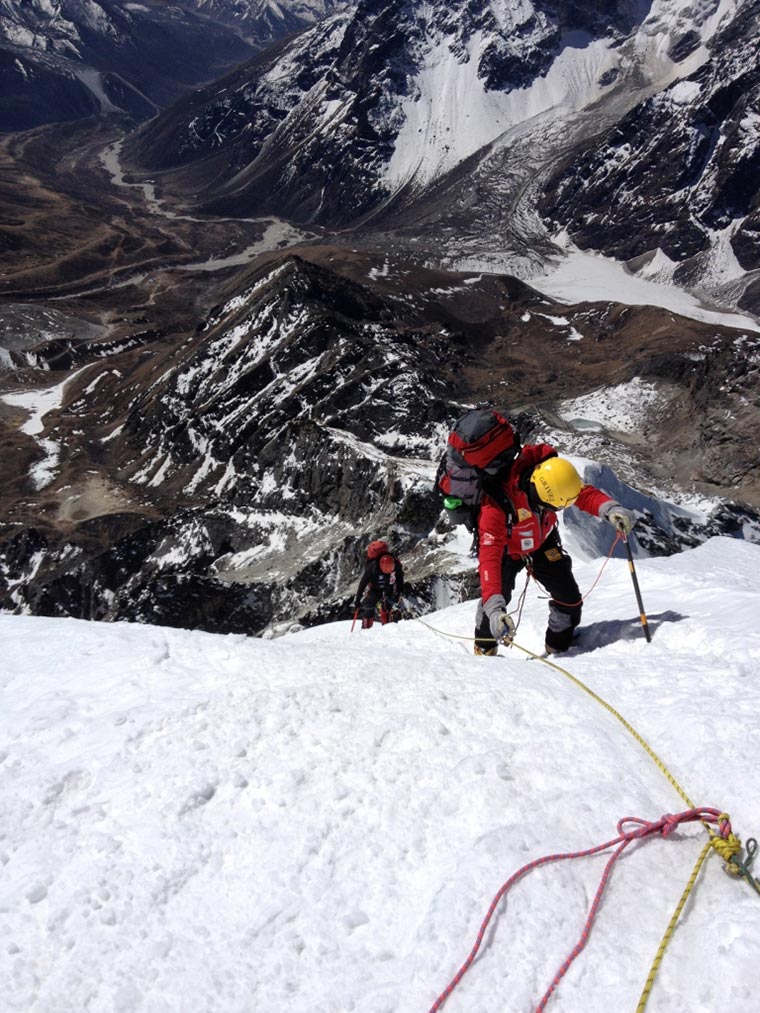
[639,830]
[724,842]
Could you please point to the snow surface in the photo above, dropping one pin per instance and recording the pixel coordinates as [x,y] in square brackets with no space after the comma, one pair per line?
[39,403]
[589,277]
[319,823]
[450,114]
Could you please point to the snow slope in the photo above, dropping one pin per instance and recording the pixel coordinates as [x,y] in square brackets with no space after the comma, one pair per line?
[450,113]
[577,276]
[318,823]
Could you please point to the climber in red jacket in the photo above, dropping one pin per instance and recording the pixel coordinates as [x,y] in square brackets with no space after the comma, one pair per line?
[381,584]
[522,531]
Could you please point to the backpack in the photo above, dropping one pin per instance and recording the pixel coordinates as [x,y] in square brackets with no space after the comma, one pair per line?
[479,439]
[377,549]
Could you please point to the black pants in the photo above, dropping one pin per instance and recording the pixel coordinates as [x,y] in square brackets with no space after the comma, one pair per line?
[553,569]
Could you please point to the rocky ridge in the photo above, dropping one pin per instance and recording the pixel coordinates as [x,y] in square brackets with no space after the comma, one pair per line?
[66,59]
[229,477]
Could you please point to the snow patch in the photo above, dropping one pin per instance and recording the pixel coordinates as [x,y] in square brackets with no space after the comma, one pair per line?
[587,277]
[620,409]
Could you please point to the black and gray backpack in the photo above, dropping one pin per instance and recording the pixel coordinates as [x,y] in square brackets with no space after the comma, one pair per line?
[481,444]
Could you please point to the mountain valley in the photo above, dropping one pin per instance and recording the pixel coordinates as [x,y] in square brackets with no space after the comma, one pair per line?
[230,354]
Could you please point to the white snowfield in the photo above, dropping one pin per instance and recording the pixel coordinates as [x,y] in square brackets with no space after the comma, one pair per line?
[318,824]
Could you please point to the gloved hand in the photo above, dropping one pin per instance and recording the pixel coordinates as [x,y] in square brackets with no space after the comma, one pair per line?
[619,517]
[502,627]
[501,624]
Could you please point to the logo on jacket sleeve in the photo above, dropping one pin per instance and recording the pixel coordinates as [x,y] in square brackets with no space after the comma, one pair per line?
[488,538]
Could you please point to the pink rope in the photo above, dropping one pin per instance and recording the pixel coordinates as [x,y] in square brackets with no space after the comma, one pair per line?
[643,828]
[583,597]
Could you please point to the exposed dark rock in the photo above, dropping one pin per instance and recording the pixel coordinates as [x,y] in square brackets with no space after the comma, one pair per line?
[88,56]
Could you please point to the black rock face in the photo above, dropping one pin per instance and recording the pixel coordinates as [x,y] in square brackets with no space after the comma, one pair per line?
[101,56]
[25,94]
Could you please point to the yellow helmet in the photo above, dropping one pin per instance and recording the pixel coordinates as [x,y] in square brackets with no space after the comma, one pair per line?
[556,482]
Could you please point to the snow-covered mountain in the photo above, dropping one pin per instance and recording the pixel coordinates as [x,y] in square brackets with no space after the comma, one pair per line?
[320,823]
[438,128]
[62,59]
[264,21]
[394,95]
[386,95]
[673,186]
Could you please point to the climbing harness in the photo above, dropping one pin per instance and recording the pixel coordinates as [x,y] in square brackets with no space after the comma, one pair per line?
[583,597]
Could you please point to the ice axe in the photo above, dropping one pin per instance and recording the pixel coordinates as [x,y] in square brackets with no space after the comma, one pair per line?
[356,615]
[637,589]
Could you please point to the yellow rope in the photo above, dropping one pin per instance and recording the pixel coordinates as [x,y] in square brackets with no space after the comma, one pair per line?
[443,633]
[672,926]
[628,727]
[727,847]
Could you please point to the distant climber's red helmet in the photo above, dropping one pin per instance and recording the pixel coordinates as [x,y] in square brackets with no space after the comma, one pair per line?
[376,549]
[387,563]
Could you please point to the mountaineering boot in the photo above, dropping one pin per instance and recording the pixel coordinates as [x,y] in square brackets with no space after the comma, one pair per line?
[485,651]
[558,641]
[367,622]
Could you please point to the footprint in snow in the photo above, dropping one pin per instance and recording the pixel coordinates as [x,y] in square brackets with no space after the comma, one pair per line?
[197,799]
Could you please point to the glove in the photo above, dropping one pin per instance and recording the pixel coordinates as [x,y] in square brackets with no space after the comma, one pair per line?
[502,627]
[619,517]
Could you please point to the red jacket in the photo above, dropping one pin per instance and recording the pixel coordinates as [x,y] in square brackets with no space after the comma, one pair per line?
[529,528]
